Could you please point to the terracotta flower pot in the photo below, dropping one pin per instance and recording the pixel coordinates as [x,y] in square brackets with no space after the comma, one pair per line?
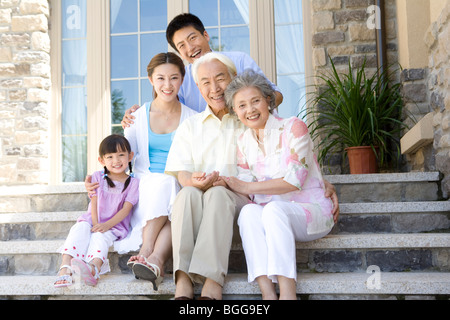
[362,160]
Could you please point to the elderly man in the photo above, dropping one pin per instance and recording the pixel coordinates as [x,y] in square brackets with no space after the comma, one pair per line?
[203,214]
[203,150]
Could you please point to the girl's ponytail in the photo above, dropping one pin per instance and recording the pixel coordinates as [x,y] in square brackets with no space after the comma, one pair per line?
[108,179]
[129,178]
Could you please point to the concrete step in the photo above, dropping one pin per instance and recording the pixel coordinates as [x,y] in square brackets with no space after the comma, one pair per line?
[333,253]
[394,217]
[378,284]
[347,241]
[43,198]
[412,186]
[387,187]
[379,217]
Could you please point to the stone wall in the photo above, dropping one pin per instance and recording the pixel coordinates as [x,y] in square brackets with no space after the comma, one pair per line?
[24,91]
[341,31]
[438,43]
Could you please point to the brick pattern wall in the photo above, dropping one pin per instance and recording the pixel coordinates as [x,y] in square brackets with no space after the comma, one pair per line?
[24,91]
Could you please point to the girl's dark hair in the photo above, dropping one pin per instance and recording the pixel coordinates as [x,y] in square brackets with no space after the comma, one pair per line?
[181,21]
[111,144]
[163,58]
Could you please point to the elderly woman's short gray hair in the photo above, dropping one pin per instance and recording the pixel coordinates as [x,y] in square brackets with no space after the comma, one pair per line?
[249,78]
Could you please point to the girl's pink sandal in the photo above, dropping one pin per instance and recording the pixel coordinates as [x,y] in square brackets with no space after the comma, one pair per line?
[84,270]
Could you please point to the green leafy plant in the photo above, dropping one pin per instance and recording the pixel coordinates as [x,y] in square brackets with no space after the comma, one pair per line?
[354,109]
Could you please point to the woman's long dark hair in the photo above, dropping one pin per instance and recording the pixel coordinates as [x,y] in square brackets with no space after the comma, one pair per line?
[111,144]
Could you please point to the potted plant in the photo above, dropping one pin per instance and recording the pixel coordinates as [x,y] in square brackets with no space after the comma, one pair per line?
[358,113]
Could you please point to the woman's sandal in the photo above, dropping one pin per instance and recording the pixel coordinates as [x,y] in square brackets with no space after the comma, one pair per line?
[130,263]
[148,271]
[84,270]
[65,277]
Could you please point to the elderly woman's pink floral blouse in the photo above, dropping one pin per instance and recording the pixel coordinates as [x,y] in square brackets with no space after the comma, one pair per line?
[288,154]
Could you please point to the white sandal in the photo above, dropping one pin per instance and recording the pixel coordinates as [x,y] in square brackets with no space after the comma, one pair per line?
[84,270]
[65,277]
[148,271]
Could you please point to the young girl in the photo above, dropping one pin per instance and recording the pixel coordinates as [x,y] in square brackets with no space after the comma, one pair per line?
[107,218]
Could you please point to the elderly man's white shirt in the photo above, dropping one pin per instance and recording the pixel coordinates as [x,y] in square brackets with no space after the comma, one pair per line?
[203,143]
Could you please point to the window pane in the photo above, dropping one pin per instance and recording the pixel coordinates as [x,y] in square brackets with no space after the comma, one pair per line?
[147,91]
[151,44]
[206,10]
[153,15]
[290,37]
[74,161]
[132,52]
[229,33]
[124,94]
[293,95]
[214,42]
[290,56]
[124,56]
[74,114]
[74,63]
[234,12]
[124,16]
[236,39]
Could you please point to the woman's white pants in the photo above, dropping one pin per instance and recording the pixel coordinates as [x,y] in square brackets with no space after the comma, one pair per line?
[268,236]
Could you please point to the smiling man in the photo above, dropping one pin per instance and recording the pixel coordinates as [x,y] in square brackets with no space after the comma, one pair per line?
[203,149]
[187,35]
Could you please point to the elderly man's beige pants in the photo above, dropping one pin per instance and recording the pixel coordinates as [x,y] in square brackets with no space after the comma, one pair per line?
[202,231]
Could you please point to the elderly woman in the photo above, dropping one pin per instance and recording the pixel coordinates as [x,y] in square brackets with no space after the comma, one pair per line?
[279,172]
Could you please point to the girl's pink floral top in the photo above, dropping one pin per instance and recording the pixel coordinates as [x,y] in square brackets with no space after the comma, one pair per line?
[288,154]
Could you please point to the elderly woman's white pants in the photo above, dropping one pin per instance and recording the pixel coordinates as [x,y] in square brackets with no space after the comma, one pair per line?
[268,236]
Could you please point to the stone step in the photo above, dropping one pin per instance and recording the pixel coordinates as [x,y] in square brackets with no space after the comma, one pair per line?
[379,217]
[394,217]
[43,198]
[314,284]
[411,186]
[395,187]
[333,253]
[407,177]
[332,242]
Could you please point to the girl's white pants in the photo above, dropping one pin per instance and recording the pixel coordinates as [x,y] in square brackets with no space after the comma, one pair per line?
[268,236]
[81,243]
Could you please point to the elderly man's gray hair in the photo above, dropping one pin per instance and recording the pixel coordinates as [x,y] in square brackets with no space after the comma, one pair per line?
[249,78]
[210,56]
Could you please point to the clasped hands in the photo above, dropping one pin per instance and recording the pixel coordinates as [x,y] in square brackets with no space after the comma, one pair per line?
[204,181]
